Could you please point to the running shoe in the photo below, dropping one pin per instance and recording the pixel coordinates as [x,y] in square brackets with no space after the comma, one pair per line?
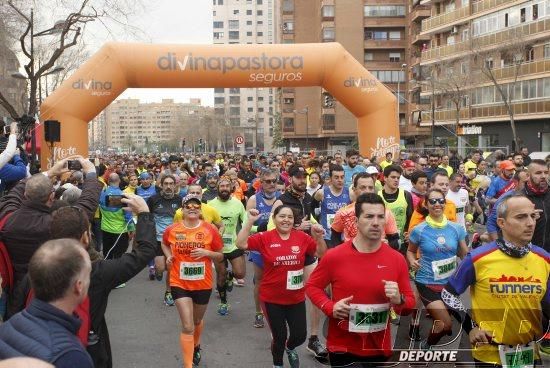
[223,309]
[151,273]
[293,358]
[229,282]
[544,346]
[414,332]
[259,320]
[394,317]
[168,300]
[121,286]
[315,347]
[158,275]
[197,355]
[239,282]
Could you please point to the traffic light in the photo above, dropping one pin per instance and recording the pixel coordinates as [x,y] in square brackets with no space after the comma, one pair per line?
[327,102]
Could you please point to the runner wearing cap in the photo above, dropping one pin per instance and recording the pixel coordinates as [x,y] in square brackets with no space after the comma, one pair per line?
[405,179]
[146,188]
[231,211]
[208,213]
[499,184]
[283,251]
[190,247]
[358,310]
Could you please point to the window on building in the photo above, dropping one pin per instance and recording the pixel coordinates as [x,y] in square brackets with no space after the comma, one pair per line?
[395,35]
[249,12]
[384,11]
[234,100]
[369,56]
[260,99]
[234,90]
[249,34]
[250,109]
[260,34]
[219,90]
[259,2]
[522,15]
[259,13]
[288,27]
[219,100]
[547,51]
[395,56]
[248,22]
[489,63]
[260,109]
[288,125]
[464,68]
[530,54]
[218,24]
[233,35]
[249,98]
[329,122]
[288,6]
[327,11]
[328,34]
[235,111]
[233,24]
[236,11]
[218,35]
[260,22]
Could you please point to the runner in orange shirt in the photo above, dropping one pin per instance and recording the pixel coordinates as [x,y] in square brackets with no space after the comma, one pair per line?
[190,247]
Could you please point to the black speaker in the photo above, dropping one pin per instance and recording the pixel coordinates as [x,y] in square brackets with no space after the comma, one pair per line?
[52,130]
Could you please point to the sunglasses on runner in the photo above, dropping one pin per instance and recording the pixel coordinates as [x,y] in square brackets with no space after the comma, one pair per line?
[192,206]
[433,201]
[272,181]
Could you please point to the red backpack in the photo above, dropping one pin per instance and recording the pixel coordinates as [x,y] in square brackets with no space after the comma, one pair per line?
[6,267]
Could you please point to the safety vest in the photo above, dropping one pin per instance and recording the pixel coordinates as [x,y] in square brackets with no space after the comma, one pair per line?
[398,208]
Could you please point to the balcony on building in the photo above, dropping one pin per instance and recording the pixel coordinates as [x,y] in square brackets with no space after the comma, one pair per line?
[420,12]
[446,20]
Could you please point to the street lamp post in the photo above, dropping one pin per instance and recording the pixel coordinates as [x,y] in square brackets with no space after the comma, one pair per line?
[305,111]
[403,66]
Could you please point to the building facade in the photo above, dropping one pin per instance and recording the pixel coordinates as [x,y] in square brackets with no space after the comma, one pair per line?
[247,112]
[494,53]
[97,132]
[374,32]
[132,125]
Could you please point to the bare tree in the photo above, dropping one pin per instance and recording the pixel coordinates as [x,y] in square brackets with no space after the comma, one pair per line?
[42,56]
[513,55]
[452,79]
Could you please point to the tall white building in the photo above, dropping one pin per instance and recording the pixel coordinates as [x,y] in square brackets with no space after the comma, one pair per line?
[246,111]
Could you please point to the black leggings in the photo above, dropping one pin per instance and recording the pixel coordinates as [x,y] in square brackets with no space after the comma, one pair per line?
[117,250]
[278,316]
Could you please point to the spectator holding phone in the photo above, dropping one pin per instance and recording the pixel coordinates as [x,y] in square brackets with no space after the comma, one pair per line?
[12,167]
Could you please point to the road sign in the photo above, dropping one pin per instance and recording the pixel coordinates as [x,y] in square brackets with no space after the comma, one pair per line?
[239,139]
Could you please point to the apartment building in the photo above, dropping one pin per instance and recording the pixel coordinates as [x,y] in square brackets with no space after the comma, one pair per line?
[130,123]
[374,32]
[97,132]
[248,112]
[468,42]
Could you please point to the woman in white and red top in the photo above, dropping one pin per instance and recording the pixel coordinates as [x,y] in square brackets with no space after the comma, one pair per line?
[282,294]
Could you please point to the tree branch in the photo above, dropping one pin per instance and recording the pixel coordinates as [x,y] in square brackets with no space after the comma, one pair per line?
[8,106]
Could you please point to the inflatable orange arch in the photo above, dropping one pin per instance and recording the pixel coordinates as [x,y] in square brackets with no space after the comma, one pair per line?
[118,66]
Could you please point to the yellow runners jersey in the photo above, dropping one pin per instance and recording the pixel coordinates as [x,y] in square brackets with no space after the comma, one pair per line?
[506,295]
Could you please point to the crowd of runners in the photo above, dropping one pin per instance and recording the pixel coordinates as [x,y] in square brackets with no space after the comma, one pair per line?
[359,240]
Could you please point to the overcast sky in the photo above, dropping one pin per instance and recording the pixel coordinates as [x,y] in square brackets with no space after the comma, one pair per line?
[171,21]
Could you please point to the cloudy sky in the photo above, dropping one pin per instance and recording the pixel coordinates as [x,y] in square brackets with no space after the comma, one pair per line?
[168,21]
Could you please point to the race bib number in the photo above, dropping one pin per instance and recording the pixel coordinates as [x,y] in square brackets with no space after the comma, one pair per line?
[330,220]
[368,318]
[191,271]
[227,240]
[520,356]
[444,268]
[295,280]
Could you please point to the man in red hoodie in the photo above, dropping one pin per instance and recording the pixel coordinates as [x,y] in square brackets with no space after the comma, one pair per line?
[359,326]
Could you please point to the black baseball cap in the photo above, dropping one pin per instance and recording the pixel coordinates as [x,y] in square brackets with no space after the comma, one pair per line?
[297,170]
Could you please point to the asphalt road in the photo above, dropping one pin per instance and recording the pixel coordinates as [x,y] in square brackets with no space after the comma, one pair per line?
[145,333]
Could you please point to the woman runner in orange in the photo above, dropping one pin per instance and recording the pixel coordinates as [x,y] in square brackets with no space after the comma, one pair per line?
[190,247]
